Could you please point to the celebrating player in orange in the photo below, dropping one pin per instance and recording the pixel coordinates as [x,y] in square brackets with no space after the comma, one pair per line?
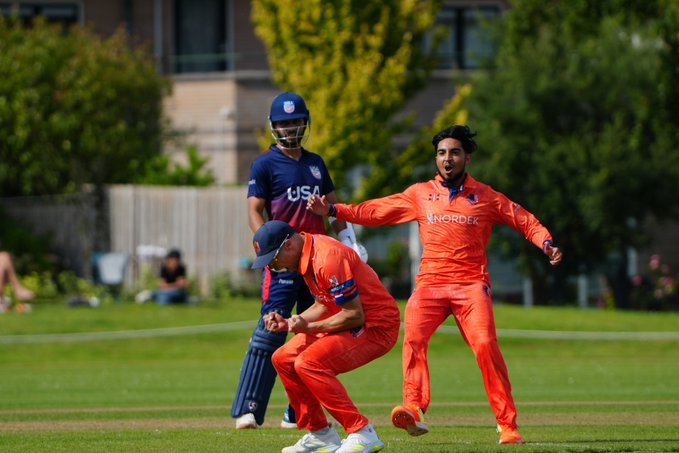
[353,321]
[455,214]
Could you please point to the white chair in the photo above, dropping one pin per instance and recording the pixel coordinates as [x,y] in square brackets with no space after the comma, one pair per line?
[109,268]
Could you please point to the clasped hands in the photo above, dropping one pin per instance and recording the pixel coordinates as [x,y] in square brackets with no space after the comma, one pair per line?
[275,322]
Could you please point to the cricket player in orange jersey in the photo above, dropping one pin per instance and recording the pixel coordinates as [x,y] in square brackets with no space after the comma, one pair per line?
[455,214]
[353,321]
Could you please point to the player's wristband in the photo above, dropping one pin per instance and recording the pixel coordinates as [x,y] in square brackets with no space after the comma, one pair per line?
[548,242]
[332,210]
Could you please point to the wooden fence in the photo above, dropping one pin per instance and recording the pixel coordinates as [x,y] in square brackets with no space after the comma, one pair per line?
[208,225]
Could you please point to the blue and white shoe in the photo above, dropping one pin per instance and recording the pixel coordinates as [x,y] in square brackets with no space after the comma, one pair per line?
[289,420]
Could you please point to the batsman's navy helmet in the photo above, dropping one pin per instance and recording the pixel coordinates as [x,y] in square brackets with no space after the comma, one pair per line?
[288,106]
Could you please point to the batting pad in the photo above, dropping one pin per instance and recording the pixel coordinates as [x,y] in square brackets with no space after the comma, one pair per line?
[258,374]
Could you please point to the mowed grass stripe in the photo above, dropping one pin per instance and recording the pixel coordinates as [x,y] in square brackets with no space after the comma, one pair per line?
[436,420]
[444,404]
[80,337]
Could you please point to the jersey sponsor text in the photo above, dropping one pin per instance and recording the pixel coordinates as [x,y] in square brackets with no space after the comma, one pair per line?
[452,218]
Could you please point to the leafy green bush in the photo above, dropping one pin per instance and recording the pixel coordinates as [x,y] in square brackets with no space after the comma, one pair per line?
[30,252]
[656,288]
[224,285]
[161,171]
[75,108]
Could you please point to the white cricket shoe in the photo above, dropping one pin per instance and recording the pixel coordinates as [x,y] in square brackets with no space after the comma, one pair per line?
[246,421]
[363,441]
[322,441]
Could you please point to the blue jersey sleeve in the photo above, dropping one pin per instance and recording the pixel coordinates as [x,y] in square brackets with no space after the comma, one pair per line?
[259,184]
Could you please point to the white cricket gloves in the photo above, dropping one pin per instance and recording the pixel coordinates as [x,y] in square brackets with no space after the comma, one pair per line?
[348,237]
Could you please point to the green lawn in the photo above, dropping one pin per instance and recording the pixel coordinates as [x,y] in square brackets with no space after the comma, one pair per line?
[171,389]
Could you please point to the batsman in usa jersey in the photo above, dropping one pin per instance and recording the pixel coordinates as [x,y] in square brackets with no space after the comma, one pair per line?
[281,181]
[285,185]
[455,214]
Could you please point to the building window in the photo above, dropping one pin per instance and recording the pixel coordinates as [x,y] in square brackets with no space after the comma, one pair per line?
[64,13]
[466,43]
[201,38]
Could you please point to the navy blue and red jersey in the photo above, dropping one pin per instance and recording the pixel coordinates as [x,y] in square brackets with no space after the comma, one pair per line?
[287,184]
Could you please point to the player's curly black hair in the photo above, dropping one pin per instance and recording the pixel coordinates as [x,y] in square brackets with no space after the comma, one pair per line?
[462,133]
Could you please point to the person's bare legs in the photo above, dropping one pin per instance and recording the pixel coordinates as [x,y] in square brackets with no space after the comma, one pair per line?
[7,274]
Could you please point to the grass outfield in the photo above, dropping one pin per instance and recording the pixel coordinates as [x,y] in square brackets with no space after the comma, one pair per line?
[169,389]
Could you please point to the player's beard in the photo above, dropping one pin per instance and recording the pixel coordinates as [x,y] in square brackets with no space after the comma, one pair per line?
[454,178]
[289,142]
[292,141]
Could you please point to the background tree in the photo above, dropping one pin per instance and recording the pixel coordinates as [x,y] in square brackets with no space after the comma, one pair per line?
[417,162]
[578,118]
[74,109]
[162,171]
[355,62]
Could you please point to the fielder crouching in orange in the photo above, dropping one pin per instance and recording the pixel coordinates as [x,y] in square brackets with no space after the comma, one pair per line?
[353,321]
[455,214]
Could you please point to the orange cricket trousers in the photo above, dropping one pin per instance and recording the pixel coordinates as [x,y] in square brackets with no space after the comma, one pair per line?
[308,366]
[471,304]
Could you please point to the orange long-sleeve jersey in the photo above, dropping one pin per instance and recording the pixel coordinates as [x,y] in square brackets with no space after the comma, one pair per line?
[454,232]
[336,275]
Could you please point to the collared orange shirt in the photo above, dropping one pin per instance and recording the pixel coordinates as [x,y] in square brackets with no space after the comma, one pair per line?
[454,232]
[336,275]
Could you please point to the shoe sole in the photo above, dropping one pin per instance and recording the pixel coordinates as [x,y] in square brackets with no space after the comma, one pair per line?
[246,426]
[375,447]
[288,425]
[403,419]
[515,441]
[331,449]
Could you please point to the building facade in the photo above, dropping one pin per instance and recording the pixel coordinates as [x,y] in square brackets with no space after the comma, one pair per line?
[221,78]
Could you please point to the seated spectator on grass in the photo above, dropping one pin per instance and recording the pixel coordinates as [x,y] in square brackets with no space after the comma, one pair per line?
[8,275]
[173,283]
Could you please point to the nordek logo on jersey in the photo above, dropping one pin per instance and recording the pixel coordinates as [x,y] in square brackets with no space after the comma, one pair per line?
[452,218]
[302,192]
